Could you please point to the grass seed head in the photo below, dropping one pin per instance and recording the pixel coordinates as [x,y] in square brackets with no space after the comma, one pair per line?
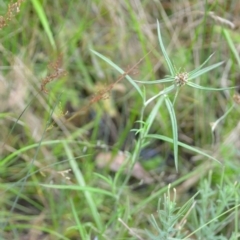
[181,79]
[13,10]
[236,98]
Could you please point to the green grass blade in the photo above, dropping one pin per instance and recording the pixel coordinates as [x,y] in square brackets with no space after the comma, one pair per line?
[44,21]
[153,113]
[39,228]
[204,70]
[164,80]
[81,182]
[167,139]
[79,188]
[231,45]
[80,227]
[165,91]
[121,71]
[194,85]
[174,129]
[169,63]
[30,167]
[201,66]
[2,161]
[26,148]
[214,125]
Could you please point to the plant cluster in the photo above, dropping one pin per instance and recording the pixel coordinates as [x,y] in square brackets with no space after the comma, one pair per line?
[70,181]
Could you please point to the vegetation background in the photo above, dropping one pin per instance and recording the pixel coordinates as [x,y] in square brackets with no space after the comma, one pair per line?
[66,120]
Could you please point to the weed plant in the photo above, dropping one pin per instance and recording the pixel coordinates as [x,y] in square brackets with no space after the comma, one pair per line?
[58,120]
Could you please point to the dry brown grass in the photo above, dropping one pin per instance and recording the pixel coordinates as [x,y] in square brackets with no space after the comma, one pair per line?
[103,94]
[12,11]
[57,72]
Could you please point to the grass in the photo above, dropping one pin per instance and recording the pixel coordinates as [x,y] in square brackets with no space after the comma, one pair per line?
[90,95]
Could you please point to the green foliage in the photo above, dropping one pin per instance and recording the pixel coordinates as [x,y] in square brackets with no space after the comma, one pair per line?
[55,126]
[171,219]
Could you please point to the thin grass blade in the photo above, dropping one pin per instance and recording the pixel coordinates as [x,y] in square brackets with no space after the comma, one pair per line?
[79,188]
[169,63]
[80,226]
[167,139]
[81,181]
[44,21]
[231,45]
[164,80]
[121,71]
[194,85]
[214,125]
[153,113]
[201,66]
[165,91]
[174,129]
[204,70]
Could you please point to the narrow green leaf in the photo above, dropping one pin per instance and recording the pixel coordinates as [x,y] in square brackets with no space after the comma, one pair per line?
[104,178]
[231,45]
[174,129]
[164,80]
[153,113]
[169,63]
[80,226]
[201,66]
[81,181]
[79,188]
[26,148]
[165,91]
[121,71]
[194,85]
[214,125]
[44,21]
[167,139]
[204,70]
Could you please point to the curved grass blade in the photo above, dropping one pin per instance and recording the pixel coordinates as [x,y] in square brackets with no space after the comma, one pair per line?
[214,125]
[13,127]
[153,114]
[30,167]
[174,129]
[28,147]
[201,66]
[44,21]
[204,70]
[121,71]
[165,91]
[231,45]
[169,63]
[194,85]
[80,226]
[81,181]
[167,139]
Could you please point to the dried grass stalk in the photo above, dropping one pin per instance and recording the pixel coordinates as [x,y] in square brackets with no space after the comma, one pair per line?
[13,10]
